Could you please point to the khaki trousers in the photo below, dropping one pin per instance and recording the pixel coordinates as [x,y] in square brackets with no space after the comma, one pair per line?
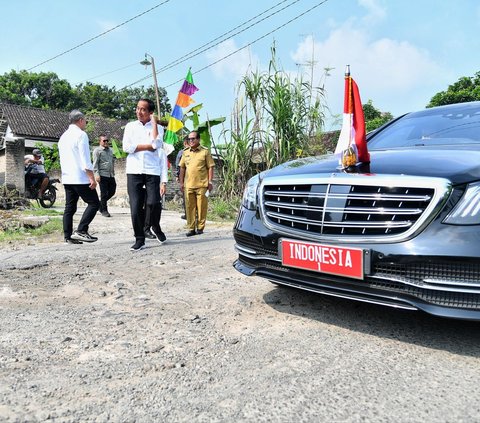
[196,207]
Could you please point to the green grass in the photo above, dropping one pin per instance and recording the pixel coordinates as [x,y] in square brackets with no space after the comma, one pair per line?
[218,209]
[40,211]
[54,225]
[221,210]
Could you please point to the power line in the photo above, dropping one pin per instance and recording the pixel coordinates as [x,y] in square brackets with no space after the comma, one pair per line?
[253,42]
[98,36]
[210,45]
[190,54]
[109,72]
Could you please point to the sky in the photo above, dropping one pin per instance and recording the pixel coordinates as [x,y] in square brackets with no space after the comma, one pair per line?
[400,53]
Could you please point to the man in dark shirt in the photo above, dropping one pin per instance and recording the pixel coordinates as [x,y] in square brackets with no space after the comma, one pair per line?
[103,168]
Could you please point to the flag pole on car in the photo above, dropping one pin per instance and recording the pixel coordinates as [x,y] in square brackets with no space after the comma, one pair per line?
[352,145]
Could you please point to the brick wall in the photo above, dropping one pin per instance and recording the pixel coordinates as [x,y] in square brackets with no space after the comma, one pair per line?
[2,166]
[14,164]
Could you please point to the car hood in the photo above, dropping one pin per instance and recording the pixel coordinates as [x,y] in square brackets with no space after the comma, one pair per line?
[459,164]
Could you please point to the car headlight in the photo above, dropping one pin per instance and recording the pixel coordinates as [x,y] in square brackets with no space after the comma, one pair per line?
[467,210]
[249,199]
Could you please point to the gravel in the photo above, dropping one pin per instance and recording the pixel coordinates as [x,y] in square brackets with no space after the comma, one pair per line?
[172,333]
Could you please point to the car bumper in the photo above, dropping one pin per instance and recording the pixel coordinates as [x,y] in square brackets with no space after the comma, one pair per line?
[431,273]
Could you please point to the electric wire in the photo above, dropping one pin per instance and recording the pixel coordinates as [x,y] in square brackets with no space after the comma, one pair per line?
[190,54]
[252,42]
[207,46]
[98,36]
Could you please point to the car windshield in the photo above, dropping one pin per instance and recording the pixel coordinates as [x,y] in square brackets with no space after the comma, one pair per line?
[458,124]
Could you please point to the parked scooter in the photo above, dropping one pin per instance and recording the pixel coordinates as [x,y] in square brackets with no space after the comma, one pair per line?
[31,191]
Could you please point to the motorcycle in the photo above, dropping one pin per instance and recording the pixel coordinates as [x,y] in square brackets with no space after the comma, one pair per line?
[31,191]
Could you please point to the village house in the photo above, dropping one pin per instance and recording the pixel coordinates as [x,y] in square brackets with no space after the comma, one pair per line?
[22,128]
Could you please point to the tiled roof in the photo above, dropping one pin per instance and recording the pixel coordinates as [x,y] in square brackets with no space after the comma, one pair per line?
[45,124]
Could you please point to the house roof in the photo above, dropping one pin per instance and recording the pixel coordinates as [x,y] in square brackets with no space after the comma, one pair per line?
[45,124]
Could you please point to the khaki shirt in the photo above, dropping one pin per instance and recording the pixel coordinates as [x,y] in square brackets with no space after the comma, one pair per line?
[196,164]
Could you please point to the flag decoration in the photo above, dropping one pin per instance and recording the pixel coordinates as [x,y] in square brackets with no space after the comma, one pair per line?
[184,99]
[352,143]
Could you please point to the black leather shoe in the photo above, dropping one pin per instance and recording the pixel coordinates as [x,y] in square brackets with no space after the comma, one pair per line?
[149,234]
[199,231]
[183,217]
[191,233]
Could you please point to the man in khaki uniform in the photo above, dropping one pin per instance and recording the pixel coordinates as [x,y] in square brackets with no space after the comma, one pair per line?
[197,164]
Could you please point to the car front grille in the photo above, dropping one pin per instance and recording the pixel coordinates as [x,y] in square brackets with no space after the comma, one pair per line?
[464,275]
[354,208]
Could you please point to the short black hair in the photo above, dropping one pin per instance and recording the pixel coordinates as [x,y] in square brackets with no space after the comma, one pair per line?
[151,104]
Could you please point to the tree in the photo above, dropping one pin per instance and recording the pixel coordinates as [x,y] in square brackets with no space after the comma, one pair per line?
[465,89]
[42,90]
[93,97]
[48,91]
[127,98]
[374,118]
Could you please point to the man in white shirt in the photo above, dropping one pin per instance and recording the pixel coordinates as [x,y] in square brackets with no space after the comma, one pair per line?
[77,179]
[163,189]
[141,139]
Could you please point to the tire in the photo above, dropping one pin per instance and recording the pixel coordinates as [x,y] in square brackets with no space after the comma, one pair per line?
[49,197]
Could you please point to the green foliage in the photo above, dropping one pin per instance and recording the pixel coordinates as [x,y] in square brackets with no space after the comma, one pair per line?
[374,118]
[50,155]
[117,149]
[47,91]
[42,90]
[220,209]
[276,118]
[465,89]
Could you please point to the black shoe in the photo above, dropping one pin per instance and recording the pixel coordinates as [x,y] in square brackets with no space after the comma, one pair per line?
[199,231]
[149,234]
[139,245]
[83,236]
[183,217]
[106,214]
[159,235]
[191,233]
[72,241]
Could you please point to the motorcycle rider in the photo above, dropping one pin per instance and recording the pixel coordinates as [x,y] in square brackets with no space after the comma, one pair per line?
[37,174]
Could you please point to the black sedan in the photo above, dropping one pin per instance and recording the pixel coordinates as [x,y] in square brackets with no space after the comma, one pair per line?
[401,231]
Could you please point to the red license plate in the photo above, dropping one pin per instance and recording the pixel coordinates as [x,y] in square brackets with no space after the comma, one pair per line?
[322,258]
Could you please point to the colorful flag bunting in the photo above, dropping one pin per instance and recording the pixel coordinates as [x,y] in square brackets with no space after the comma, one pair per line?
[352,135]
[183,100]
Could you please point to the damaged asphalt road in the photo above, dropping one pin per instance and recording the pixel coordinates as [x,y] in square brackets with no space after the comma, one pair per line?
[173,333]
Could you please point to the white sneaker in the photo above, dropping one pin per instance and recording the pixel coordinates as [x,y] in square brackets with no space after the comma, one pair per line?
[84,236]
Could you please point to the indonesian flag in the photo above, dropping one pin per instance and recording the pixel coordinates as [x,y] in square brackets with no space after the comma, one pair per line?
[353,127]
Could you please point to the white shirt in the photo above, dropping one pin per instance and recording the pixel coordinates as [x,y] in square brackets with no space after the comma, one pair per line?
[163,165]
[139,162]
[74,156]
[37,168]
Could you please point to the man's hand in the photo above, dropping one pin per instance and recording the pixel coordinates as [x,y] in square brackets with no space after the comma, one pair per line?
[163,189]
[93,184]
[97,178]
[181,186]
